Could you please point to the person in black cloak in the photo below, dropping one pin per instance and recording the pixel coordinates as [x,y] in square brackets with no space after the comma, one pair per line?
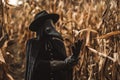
[46,54]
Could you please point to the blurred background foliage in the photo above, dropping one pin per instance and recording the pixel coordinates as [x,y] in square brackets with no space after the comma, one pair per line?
[97,22]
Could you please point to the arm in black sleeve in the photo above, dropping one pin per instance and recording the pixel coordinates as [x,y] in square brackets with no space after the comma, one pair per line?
[58,65]
[54,65]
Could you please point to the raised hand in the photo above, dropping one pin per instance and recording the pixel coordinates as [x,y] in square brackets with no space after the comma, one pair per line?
[76,49]
[73,60]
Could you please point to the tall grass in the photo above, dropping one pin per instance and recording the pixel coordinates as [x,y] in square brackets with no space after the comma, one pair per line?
[97,22]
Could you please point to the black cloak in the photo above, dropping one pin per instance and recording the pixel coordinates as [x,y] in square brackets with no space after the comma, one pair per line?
[38,60]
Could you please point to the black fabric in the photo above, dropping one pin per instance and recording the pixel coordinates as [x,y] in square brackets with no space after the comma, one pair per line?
[38,61]
[31,54]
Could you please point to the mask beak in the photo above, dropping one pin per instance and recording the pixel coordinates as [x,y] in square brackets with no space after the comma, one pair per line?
[56,35]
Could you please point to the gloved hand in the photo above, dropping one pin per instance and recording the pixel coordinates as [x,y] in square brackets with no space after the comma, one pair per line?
[76,49]
[73,60]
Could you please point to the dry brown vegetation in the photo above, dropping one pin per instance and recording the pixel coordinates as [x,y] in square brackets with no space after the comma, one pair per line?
[97,22]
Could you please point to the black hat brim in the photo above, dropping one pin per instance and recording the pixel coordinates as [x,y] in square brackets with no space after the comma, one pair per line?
[34,26]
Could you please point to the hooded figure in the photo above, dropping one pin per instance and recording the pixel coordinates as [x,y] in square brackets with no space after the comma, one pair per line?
[46,54]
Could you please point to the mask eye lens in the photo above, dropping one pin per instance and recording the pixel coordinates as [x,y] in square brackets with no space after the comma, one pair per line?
[47,30]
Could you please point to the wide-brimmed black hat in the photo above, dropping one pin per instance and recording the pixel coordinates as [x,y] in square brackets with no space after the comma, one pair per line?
[40,18]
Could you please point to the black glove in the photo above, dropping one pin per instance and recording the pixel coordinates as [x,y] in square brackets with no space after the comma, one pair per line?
[76,49]
[73,60]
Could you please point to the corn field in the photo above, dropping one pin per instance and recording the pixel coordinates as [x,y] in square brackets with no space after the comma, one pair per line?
[97,22]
